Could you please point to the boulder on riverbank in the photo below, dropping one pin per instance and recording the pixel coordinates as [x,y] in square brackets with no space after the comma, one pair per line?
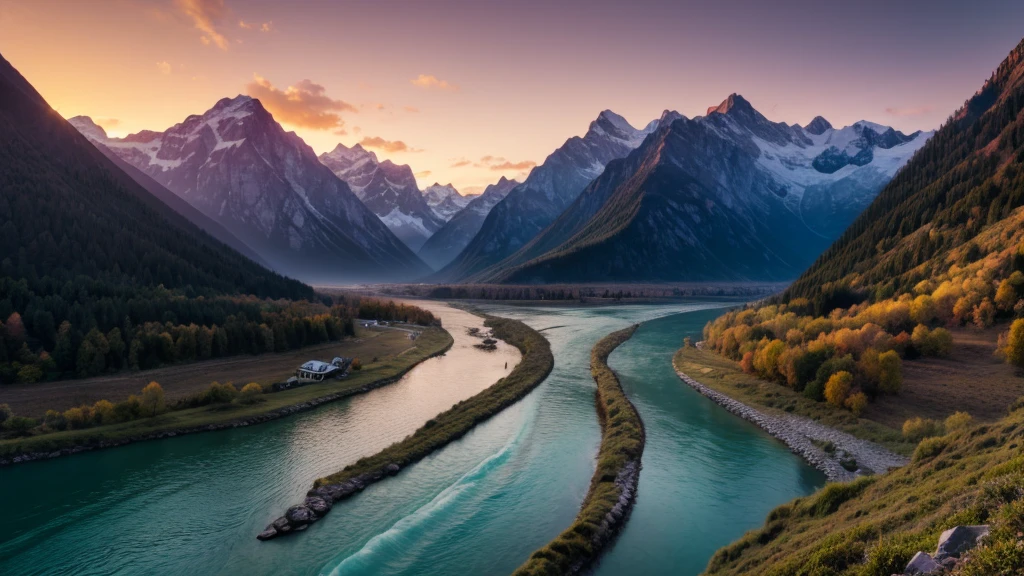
[953,543]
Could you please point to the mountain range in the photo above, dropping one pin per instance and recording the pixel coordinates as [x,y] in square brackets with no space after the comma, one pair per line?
[547,191]
[727,196]
[463,226]
[445,200]
[388,189]
[237,166]
[69,213]
[956,205]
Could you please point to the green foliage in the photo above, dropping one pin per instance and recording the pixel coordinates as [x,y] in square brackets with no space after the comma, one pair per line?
[218,393]
[936,204]
[950,482]
[20,425]
[833,495]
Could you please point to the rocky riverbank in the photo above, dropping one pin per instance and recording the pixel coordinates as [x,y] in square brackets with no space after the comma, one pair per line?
[249,421]
[806,437]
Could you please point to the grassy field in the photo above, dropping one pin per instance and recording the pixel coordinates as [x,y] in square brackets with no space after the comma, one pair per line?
[186,379]
[973,379]
[455,422]
[618,468]
[725,376]
[433,341]
[874,525]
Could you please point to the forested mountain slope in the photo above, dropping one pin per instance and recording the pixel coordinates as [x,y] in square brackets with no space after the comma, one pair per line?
[942,246]
[967,180]
[238,166]
[86,251]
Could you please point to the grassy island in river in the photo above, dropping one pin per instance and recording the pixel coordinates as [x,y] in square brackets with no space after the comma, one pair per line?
[613,486]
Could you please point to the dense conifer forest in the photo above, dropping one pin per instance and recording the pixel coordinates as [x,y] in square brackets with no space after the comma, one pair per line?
[96,274]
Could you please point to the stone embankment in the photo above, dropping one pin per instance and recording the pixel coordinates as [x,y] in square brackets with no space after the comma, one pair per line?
[800,434]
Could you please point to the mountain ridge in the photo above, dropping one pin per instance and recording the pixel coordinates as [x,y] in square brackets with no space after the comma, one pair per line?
[238,166]
[732,160]
[546,192]
[389,190]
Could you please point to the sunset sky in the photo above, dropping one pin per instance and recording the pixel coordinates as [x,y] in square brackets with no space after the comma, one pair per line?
[466,92]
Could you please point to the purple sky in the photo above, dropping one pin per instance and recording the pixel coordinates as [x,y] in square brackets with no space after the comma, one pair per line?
[440,83]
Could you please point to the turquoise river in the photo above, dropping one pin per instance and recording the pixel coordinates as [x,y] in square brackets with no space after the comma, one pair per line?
[192,505]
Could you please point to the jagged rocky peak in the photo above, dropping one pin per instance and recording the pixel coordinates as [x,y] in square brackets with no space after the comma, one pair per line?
[88,128]
[732,105]
[610,124]
[343,157]
[667,118]
[818,126]
[437,192]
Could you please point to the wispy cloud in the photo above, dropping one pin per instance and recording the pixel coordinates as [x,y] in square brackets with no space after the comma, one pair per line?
[506,165]
[423,174]
[107,123]
[264,27]
[206,16]
[909,111]
[430,81]
[164,67]
[306,104]
[386,145]
[497,163]
[411,109]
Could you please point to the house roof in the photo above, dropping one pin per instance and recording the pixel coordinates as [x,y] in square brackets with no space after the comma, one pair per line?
[317,366]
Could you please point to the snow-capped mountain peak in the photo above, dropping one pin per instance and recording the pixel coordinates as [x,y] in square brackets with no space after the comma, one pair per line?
[734,104]
[445,200]
[88,128]
[818,126]
[388,189]
[238,166]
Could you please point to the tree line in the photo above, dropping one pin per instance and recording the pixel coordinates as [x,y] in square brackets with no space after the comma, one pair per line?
[193,329]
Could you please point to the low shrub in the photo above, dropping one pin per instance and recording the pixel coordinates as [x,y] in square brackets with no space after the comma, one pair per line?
[250,393]
[930,448]
[957,421]
[832,496]
[917,429]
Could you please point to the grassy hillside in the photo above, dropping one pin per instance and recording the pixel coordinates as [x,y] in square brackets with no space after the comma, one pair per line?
[874,525]
[932,272]
[954,203]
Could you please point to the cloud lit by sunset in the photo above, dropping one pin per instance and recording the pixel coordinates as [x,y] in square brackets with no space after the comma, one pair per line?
[460,81]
